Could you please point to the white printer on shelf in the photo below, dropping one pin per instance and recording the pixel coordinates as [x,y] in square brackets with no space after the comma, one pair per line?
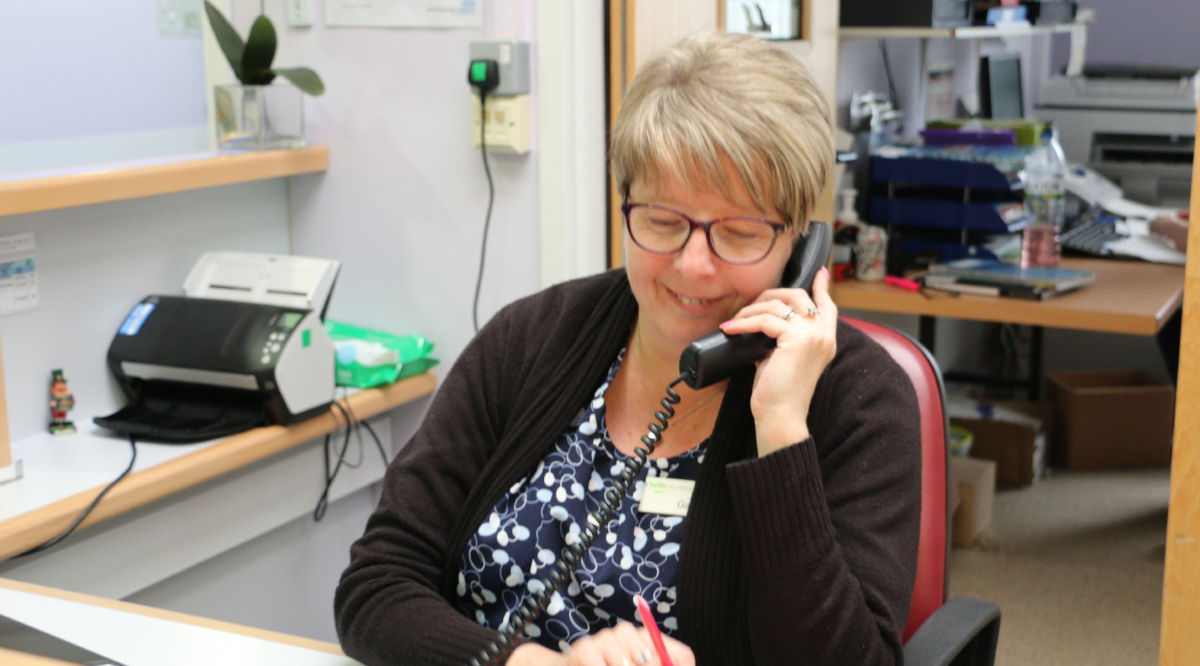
[1135,125]
[243,347]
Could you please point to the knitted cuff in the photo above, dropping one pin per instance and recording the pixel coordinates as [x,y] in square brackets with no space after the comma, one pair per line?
[779,504]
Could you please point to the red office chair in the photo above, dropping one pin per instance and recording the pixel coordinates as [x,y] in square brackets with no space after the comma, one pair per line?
[940,632]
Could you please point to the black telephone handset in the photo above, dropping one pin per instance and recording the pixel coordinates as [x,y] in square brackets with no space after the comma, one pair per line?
[707,360]
[713,357]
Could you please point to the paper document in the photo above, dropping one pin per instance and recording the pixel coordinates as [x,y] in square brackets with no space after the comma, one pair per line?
[1148,248]
[1141,245]
[404,13]
[1127,208]
[18,274]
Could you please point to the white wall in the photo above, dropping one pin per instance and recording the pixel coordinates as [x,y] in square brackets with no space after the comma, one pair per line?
[1149,33]
[572,135]
[282,581]
[403,203]
[88,82]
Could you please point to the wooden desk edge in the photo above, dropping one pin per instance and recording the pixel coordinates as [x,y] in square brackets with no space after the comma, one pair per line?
[982,308]
[1011,311]
[143,487]
[1169,309]
[183,618]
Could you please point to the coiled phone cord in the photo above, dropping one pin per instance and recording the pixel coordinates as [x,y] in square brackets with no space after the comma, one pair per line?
[533,605]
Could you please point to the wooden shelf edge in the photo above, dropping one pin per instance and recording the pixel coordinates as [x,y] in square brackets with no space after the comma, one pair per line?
[140,488]
[893,33]
[115,183]
[964,32]
[172,616]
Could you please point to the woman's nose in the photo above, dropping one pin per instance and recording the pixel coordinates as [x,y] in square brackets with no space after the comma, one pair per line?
[696,258]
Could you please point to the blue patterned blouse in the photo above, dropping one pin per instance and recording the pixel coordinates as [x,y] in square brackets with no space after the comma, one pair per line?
[542,513]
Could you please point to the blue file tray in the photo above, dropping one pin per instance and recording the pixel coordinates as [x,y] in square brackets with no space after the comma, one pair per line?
[934,214]
[941,172]
[966,191]
[946,252]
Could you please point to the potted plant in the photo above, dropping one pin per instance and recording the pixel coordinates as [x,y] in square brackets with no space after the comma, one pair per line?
[255,115]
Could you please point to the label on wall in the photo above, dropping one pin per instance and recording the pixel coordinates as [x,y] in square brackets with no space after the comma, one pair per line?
[404,13]
[18,274]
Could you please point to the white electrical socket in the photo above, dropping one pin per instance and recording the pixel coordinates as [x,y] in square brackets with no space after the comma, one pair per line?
[299,13]
[508,123]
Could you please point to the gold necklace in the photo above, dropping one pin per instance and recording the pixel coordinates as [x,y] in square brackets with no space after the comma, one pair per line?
[646,391]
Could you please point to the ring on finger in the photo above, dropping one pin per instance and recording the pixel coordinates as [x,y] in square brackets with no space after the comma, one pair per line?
[644,656]
[787,316]
[812,311]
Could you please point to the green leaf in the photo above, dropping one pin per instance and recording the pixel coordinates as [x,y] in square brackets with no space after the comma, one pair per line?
[231,43]
[304,79]
[261,77]
[260,48]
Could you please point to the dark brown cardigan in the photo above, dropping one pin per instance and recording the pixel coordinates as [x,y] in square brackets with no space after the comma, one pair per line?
[805,556]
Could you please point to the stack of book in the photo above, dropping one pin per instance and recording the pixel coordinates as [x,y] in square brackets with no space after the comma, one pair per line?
[988,277]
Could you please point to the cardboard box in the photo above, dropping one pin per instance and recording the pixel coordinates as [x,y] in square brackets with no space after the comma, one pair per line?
[1011,434]
[1112,419]
[975,481]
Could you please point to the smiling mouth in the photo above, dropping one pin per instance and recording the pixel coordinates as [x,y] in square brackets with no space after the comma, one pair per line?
[691,301]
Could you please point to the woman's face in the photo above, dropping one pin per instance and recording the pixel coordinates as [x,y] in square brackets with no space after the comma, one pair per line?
[687,294]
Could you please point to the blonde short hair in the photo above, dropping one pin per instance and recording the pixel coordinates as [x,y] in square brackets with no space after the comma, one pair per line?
[718,97]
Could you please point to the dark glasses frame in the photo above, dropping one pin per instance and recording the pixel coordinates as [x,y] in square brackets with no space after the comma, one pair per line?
[627,208]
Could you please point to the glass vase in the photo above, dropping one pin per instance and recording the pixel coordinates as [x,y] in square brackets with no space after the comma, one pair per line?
[259,117]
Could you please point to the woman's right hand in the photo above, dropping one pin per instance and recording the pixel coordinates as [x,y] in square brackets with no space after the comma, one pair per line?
[618,646]
[1174,229]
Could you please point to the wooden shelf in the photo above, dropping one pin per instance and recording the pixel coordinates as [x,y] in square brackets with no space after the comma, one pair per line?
[50,190]
[965,32]
[27,530]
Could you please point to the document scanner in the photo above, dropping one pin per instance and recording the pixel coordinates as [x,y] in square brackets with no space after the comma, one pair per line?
[243,347]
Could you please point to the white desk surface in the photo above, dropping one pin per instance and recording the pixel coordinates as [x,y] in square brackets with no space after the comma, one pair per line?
[141,640]
[57,467]
[63,474]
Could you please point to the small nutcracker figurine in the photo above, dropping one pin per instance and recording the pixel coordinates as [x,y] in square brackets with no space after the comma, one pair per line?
[61,402]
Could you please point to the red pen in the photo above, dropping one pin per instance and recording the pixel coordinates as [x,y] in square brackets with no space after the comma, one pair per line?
[903,283]
[652,626]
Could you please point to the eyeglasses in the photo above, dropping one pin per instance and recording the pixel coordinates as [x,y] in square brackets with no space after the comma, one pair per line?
[737,240]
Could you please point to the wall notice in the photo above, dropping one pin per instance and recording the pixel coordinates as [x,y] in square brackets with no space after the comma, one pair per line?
[18,274]
[404,13]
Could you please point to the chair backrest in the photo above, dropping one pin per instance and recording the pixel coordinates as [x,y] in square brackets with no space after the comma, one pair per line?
[933,554]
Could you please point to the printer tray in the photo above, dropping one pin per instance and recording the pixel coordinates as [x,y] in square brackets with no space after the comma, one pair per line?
[176,416]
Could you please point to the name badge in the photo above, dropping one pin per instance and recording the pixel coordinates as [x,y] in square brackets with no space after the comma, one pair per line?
[666,496]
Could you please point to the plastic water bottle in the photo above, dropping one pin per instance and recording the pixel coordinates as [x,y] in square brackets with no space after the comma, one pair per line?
[1045,201]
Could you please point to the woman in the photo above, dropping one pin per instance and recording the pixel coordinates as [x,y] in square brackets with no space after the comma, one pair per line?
[799,540]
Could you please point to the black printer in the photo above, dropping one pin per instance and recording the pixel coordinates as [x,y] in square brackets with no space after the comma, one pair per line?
[244,347]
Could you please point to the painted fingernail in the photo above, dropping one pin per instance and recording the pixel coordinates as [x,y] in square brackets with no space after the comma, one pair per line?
[725,323]
[824,272]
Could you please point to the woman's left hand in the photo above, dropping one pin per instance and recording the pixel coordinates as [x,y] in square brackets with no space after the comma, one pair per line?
[787,377]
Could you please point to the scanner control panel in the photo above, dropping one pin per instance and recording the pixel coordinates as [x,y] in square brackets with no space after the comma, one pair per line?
[280,328]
